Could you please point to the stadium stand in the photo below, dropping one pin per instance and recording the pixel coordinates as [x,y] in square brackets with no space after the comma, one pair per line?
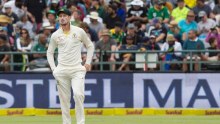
[129,25]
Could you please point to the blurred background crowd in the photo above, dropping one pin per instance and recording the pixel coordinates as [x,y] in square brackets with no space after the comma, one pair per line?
[169,26]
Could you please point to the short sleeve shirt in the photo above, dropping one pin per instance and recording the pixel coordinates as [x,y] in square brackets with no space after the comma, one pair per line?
[100,45]
[163,13]
[206,8]
[158,32]
[180,14]
[39,48]
[139,13]
[185,27]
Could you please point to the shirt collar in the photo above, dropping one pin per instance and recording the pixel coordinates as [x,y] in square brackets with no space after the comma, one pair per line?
[61,30]
[195,39]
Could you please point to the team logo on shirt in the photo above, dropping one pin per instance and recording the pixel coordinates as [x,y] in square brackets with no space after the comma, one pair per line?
[74,35]
[61,38]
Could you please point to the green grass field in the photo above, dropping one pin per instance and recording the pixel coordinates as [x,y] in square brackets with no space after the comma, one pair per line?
[114,120]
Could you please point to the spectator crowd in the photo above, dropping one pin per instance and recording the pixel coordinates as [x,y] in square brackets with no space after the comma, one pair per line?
[120,26]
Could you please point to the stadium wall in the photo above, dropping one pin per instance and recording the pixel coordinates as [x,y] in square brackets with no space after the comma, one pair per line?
[116,90]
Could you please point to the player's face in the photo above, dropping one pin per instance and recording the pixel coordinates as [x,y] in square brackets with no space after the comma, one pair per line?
[64,19]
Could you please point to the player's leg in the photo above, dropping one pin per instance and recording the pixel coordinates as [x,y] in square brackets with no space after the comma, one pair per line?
[64,91]
[78,85]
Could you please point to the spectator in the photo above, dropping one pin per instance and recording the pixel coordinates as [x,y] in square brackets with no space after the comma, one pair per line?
[211,56]
[54,5]
[111,17]
[204,25]
[16,7]
[214,32]
[117,33]
[87,19]
[61,3]
[170,49]
[180,12]
[47,30]
[159,31]
[24,41]
[106,44]
[166,3]
[17,29]
[158,10]
[151,57]
[193,43]
[216,10]
[91,33]
[24,45]
[188,24]
[5,21]
[31,27]
[4,58]
[39,59]
[36,7]
[140,29]
[136,12]
[122,3]
[152,45]
[10,13]
[9,40]
[201,6]
[127,56]
[144,42]
[87,4]
[132,31]
[76,18]
[121,9]
[80,6]
[51,17]
[211,3]
[97,26]
[76,5]
[96,5]
[174,30]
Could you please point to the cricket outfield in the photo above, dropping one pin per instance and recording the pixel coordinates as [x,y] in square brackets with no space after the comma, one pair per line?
[129,119]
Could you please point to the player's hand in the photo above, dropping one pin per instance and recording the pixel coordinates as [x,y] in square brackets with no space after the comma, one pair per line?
[88,67]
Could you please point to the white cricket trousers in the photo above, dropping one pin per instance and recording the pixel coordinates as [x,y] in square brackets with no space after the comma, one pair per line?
[68,77]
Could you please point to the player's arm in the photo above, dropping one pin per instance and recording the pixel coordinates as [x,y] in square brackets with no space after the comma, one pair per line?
[90,48]
[50,52]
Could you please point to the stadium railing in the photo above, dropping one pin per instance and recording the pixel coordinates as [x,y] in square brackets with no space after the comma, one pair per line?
[101,63]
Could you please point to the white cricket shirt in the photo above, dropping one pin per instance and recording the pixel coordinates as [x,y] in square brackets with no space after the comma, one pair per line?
[69,48]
